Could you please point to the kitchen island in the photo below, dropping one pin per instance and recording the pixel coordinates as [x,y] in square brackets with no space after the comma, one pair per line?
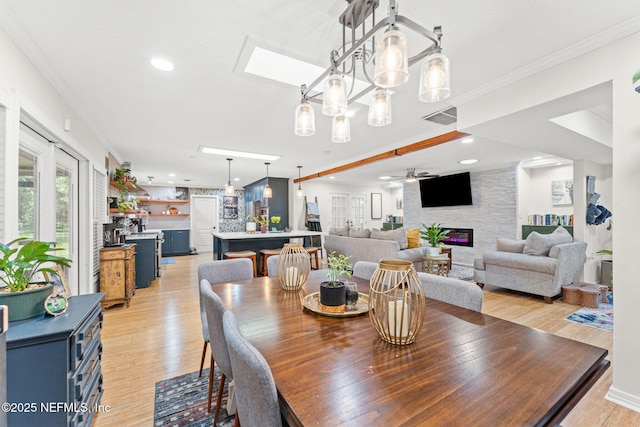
[241,241]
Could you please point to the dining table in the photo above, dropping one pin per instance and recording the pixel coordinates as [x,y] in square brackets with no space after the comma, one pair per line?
[465,367]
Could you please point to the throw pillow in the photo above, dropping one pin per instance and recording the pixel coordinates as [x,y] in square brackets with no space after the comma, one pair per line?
[342,231]
[363,234]
[539,244]
[398,235]
[509,245]
[413,238]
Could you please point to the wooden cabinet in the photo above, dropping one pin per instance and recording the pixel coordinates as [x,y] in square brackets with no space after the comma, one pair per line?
[54,366]
[117,274]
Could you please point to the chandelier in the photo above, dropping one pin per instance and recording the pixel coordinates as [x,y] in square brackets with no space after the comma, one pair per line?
[387,55]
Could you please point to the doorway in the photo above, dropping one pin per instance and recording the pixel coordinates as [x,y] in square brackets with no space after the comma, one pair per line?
[204,220]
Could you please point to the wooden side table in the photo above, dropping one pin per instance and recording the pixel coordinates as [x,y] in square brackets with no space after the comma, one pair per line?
[436,264]
[446,250]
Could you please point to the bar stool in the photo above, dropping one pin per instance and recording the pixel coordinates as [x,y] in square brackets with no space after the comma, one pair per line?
[264,255]
[313,252]
[244,254]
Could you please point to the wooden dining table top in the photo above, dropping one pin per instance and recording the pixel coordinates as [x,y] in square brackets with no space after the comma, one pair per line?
[465,368]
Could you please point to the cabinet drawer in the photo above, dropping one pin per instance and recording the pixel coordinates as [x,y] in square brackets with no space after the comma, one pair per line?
[81,341]
[82,379]
[84,418]
[112,254]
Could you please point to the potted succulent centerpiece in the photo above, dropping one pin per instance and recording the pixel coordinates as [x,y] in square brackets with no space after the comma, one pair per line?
[434,235]
[333,291]
[18,267]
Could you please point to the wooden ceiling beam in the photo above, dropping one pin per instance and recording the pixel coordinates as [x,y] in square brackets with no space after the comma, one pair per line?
[417,146]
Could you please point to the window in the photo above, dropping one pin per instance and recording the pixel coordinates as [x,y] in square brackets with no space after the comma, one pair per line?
[28,202]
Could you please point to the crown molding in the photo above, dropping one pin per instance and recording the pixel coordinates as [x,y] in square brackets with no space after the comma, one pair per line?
[585,46]
[31,50]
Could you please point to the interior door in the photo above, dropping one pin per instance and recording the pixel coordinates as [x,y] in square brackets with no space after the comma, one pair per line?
[66,184]
[204,219]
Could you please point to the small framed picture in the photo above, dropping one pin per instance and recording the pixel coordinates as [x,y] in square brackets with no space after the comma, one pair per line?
[60,286]
[56,304]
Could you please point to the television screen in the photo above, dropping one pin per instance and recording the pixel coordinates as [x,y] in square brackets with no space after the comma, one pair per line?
[450,190]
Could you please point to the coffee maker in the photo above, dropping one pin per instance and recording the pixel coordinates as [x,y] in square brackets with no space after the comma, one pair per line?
[111,234]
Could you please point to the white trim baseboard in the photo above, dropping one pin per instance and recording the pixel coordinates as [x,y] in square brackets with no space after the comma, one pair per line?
[624,399]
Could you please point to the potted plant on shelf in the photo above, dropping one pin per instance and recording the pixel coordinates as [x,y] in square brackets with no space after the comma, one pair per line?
[264,222]
[333,291]
[124,182]
[434,235]
[18,267]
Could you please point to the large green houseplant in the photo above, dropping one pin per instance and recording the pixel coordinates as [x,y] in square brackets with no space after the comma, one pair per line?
[18,265]
[124,182]
[434,235]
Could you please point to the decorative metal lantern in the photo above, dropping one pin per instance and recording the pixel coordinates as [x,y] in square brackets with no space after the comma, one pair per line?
[397,302]
[294,264]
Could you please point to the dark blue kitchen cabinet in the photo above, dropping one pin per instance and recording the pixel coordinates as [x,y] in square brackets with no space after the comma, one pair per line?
[176,242]
[146,260]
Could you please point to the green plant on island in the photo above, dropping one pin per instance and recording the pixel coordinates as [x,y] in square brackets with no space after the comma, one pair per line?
[262,221]
[275,219]
[19,265]
[339,268]
[433,234]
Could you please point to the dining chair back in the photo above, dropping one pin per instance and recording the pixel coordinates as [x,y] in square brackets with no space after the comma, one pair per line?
[364,269]
[216,272]
[272,265]
[214,307]
[255,388]
[453,291]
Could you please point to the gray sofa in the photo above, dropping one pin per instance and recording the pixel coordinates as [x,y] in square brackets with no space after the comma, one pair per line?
[539,265]
[374,249]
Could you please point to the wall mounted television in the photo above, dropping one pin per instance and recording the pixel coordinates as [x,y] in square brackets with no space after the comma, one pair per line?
[449,190]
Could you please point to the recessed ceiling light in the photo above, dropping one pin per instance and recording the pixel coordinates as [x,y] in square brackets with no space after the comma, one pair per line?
[332,177]
[220,152]
[384,177]
[172,174]
[169,182]
[468,161]
[162,64]
[467,140]
[558,163]
[538,158]
[236,179]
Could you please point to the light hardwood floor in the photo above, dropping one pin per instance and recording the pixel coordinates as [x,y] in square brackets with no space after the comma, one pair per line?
[159,337]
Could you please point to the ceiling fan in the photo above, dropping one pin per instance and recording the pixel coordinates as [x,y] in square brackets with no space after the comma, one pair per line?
[412,176]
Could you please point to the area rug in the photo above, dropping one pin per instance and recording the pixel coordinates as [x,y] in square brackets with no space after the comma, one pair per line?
[168,261]
[601,317]
[182,401]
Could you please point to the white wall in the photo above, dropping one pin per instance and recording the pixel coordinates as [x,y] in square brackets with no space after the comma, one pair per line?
[616,62]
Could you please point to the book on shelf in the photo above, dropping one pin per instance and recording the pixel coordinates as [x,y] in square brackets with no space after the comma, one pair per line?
[550,219]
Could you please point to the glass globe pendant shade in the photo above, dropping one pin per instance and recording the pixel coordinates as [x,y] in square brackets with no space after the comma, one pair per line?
[229,190]
[299,192]
[340,129]
[435,80]
[334,97]
[268,192]
[392,65]
[305,121]
[380,108]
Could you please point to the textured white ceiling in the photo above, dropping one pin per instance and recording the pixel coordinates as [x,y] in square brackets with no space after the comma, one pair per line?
[157,120]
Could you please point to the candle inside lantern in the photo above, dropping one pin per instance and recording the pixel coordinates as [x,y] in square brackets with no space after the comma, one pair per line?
[291,276]
[398,319]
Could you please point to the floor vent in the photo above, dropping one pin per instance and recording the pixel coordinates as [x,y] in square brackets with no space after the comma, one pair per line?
[444,117]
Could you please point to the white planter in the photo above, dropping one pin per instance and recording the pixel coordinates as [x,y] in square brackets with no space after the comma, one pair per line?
[433,250]
[251,227]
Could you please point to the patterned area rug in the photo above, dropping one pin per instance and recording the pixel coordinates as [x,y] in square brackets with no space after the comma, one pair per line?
[182,401]
[601,317]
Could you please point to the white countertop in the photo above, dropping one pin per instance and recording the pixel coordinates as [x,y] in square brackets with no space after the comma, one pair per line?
[268,235]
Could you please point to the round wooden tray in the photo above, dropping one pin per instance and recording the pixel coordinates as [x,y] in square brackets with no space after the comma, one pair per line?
[311,303]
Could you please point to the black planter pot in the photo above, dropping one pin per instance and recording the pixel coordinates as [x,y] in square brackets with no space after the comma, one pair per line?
[332,296]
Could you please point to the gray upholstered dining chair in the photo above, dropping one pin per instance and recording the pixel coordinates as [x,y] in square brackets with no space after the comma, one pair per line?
[453,291]
[272,265]
[216,272]
[214,307]
[255,388]
[364,269]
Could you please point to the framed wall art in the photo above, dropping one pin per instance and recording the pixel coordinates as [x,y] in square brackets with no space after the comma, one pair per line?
[562,192]
[230,207]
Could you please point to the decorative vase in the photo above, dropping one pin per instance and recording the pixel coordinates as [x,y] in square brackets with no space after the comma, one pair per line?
[26,304]
[397,302]
[294,264]
[263,228]
[333,297]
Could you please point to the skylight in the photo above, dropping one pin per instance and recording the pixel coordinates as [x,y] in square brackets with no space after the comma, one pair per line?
[245,154]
